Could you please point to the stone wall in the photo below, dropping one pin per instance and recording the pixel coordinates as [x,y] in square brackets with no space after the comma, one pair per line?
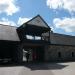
[59,53]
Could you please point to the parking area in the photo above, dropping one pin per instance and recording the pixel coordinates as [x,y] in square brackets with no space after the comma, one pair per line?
[66,68]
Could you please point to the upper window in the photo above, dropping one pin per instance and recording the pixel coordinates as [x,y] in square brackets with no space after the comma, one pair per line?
[33,37]
[37,38]
[29,37]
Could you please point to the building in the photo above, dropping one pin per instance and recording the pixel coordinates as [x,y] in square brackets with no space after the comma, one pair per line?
[35,37]
[9,44]
[61,48]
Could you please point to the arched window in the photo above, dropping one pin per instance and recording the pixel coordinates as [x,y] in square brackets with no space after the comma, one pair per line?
[59,54]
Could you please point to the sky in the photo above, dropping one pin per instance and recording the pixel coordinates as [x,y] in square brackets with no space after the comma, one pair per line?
[59,14]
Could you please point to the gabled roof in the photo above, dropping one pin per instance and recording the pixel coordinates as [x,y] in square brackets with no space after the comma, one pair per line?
[8,33]
[36,26]
[61,39]
[38,21]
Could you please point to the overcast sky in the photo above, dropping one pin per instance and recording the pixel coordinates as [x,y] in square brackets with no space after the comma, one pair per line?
[59,14]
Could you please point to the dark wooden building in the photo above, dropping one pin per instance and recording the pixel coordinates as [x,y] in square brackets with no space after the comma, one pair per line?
[35,37]
[13,40]
[39,37]
[9,44]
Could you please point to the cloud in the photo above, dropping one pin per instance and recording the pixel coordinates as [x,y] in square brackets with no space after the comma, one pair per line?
[67,24]
[52,28]
[54,3]
[22,20]
[8,6]
[62,4]
[5,21]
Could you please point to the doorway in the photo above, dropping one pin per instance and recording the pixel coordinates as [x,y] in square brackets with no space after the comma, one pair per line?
[36,54]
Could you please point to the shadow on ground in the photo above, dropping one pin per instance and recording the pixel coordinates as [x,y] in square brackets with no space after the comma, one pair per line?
[37,66]
[45,66]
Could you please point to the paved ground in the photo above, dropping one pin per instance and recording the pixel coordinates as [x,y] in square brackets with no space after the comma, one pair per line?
[39,69]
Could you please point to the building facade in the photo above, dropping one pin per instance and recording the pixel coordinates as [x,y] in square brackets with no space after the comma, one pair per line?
[61,48]
[36,38]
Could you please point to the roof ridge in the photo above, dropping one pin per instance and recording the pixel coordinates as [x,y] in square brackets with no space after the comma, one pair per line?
[63,34]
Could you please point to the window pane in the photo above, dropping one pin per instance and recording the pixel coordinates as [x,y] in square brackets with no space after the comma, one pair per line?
[29,37]
[37,38]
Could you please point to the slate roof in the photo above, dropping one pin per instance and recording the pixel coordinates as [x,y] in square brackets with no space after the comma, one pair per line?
[38,21]
[35,26]
[61,39]
[8,33]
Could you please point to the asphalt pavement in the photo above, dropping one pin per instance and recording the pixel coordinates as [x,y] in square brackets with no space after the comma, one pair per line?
[66,68]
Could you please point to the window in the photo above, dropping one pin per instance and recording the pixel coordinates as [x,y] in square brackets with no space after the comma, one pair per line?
[59,54]
[30,37]
[72,54]
[33,37]
[37,38]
